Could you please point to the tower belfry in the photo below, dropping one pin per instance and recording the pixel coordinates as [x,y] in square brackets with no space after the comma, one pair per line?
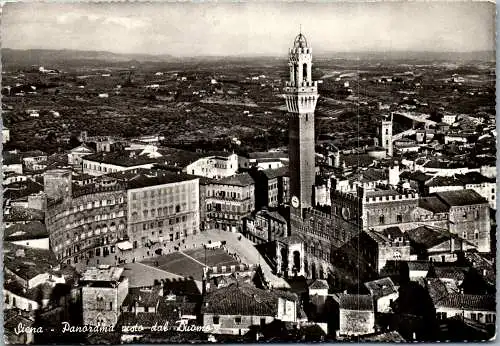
[301,94]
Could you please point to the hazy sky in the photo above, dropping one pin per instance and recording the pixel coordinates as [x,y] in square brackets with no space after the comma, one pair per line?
[185,29]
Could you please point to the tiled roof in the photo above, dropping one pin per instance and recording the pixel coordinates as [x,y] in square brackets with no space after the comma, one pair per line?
[468,302]
[461,197]
[27,262]
[244,299]
[21,189]
[23,214]
[318,285]
[437,289]
[14,317]
[147,178]
[393,232]
[433,204]
[30,230]
[123,158]
[360,302]
[268,155]
[360,160]
[444,181]
[450,272]
[36,294]
[418,265]
[427,237]
[377,236]
[243,179]
[381,287]
[277,172]
[474,178]
[370,174]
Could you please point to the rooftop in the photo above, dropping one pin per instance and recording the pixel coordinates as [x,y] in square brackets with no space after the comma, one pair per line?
[433,204]
[102,273]
[468,302]
[16,214]
[437,289]
[30,230]
[129,158]
[27,262]
[444,181]
[449,272]
[428,237]
[474,178]
[319,285]
[243,179]
[381,287]
[141,177]
[359,302]
[382,192]
[268,155]
[393,232]
[358,160]
[461,198]
[272,214]
[278,172]
[244,299]
[21,189]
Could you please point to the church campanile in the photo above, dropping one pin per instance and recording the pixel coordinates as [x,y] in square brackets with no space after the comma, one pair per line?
[301,95]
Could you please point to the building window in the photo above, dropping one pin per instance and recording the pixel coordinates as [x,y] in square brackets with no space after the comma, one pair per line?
[473,316]
[399,218]
[110,306]
[441,315]
[381,219]
[237,320]
[216,319]
[489,318]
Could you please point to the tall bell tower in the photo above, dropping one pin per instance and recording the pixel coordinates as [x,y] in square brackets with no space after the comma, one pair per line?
[301,95]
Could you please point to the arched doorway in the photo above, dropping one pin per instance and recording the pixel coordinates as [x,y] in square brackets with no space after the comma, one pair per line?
[313,271]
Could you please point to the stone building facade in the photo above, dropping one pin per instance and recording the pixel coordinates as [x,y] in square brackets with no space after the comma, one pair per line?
[163,209]
[87,225]
[229,200]
[103,291]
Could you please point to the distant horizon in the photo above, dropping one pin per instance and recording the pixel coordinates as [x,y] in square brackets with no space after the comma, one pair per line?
[284,55]
[190,29]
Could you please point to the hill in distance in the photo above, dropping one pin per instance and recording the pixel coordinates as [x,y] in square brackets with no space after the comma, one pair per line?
[59,58]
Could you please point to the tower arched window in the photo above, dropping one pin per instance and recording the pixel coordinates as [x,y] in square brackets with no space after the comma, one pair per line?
[304,72]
